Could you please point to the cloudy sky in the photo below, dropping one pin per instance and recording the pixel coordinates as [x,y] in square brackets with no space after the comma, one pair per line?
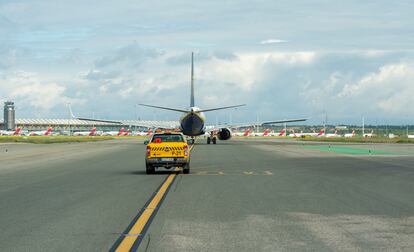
[285,60]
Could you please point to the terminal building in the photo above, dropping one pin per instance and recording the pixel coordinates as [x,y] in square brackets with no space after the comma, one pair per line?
[72,125]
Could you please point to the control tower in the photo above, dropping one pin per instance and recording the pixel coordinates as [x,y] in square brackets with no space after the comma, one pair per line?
[9,116]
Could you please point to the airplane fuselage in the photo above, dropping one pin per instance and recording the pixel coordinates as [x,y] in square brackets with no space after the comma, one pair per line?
[192,123]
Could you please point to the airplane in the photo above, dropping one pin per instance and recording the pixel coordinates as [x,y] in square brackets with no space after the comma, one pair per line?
[349,135]
[294,134]
[192,121]
[47,132]
[369,134]
[266,132]
[16,132]
[244,133]
[315,134]
[144,133]
[312,134]
[86,133]
[193,118]
[330,135]
[281,133]
[114,133]
[126,133]
[410,136]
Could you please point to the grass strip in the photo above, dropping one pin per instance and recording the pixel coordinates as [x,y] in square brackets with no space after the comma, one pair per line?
[358,140]
[52,139]
[347,150]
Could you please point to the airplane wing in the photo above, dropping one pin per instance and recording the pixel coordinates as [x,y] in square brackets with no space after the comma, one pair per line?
[166,108]
[91,119]
[97,120]
[220,108]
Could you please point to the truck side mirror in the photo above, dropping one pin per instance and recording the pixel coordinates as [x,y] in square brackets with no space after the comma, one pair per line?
[146,142]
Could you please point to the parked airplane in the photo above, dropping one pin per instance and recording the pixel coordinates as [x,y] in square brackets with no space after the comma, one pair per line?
[266,132]
[330,135]
[126,133]
[281,133]
[86,133]
[371,134]
[312,134]
[244,133]
[47,132]
[114,133]
[16,132]
[192,122]
[315,134]
[349,135]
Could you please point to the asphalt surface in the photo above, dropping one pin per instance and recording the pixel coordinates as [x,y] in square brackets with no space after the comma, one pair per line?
[241,195]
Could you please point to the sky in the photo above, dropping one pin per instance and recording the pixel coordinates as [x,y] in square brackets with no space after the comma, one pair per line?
[284,59]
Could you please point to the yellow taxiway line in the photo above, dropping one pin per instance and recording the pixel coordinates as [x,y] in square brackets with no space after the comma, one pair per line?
[139,225]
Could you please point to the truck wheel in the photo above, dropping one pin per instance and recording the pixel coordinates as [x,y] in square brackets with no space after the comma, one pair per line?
[214,140]
[150,169]
[186,168]
[208,140]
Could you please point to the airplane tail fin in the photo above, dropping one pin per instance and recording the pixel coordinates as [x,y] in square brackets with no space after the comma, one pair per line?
[17,132]
[192,81]
[49,130]
[70,111]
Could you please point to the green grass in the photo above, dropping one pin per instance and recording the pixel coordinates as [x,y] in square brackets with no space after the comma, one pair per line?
[347,150]
[52,139]
[358,140]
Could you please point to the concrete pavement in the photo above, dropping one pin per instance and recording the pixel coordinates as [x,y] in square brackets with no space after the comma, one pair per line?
[241,195]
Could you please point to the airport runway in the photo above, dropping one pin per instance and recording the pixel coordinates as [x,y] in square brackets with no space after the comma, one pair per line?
[241,195]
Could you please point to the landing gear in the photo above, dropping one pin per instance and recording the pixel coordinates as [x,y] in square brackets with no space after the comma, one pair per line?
[186,168]
[212,138]
[150,169]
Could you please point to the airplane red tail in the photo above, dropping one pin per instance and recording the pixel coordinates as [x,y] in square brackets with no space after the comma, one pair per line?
[246,132]
[93,131]
[17,132]
[321,132]
[121,131]
[48,131]
[282,133]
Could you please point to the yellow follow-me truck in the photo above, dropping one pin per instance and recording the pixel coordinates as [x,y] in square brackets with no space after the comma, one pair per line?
[167,149]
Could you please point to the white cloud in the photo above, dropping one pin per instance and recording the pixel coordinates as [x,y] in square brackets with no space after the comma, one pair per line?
[272,41]
[248,69]
[28,90]
[390,89]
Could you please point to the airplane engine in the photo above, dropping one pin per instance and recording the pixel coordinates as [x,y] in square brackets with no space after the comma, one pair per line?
[224,134]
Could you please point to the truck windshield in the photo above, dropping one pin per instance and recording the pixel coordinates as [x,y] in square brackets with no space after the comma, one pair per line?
[167,138]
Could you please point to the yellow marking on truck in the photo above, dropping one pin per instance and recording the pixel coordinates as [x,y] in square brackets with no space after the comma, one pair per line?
[139,225]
